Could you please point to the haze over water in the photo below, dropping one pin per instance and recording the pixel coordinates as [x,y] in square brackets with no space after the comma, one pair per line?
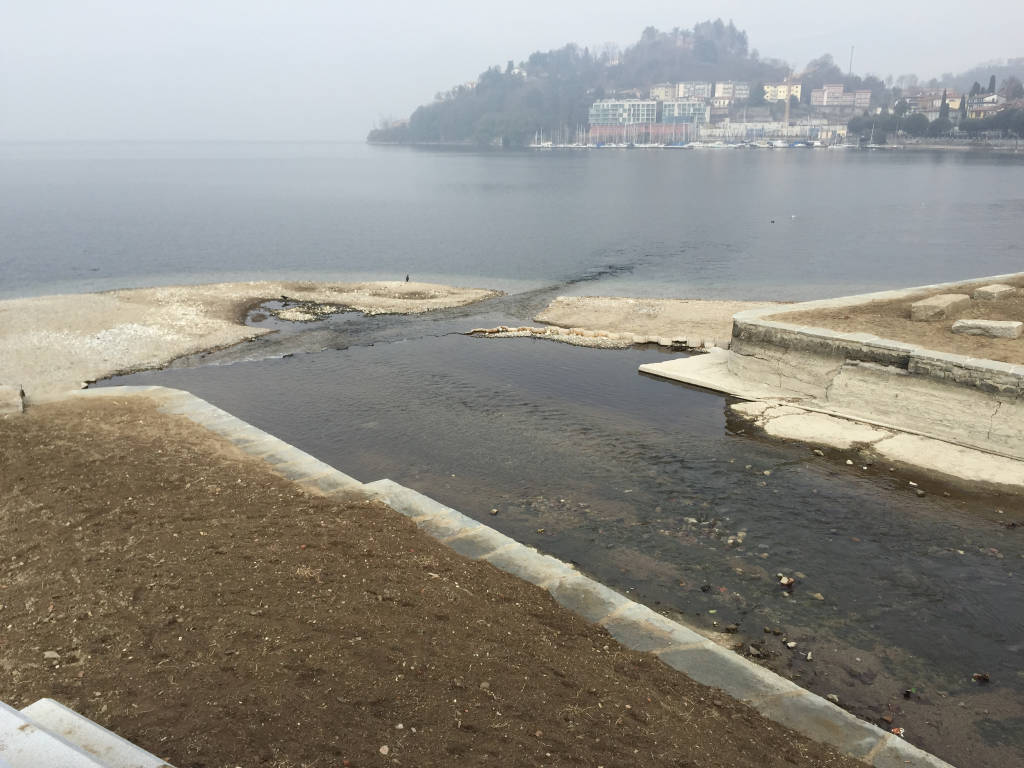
[760,224]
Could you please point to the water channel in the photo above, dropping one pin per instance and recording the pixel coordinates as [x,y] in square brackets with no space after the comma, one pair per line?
[647,485]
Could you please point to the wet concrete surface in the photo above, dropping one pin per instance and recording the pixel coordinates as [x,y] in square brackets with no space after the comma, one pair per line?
[647,486]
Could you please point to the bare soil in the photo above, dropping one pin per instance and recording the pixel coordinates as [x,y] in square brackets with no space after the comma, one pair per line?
[216,615]
[891,320]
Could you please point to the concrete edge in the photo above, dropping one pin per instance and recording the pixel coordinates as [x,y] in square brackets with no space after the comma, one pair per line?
[758,317]
[633,625]
[757,313]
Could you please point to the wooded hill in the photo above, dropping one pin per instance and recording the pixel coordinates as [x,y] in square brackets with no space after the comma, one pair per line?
[552,91]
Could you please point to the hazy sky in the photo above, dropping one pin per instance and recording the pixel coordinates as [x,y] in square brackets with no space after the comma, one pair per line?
[320,70]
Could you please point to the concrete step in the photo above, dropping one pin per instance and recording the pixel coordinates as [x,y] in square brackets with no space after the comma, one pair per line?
[25,744]
[105,747]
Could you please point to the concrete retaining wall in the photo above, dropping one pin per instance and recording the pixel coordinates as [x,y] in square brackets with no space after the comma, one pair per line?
[963,400]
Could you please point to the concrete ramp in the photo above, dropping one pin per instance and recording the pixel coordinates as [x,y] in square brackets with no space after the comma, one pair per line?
[47,733]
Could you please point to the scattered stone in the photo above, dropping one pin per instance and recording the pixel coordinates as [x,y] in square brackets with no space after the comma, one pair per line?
[384,750]
[732,628]
[938,307]
[994,291]
[810,656]
[786,581]
[791,644]
[818,596]
[494,511]
[833,698]
[51,656]
[887,719]
[919,492]
[996,329]
[818,452]
[485,686]
[980,677]
[753,651]
[849,462]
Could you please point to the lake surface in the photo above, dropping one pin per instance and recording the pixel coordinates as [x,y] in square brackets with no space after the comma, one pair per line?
[640,481]
[78,217]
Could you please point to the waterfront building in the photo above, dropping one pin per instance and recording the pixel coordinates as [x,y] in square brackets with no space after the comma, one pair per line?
[693,89]
[623,112]
[985,105]
[731,90]
[693,111]
[782,91]
[663,92]
[835,95]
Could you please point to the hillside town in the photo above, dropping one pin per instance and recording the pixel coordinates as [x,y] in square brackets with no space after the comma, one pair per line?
[729,112]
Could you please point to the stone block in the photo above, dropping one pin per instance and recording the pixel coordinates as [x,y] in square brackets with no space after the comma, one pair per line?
[822,721]
[995,291]
[11,399]
[586,597]
[719,668]
[997,329]
[938,307]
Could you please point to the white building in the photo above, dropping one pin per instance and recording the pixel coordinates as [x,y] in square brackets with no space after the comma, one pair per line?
[695,111]
[732,90]
[623,112]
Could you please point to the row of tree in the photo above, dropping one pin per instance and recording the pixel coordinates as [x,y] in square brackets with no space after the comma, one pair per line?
[1009,122]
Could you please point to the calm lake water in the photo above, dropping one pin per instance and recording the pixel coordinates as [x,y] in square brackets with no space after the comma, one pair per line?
[638,480]
[659,223]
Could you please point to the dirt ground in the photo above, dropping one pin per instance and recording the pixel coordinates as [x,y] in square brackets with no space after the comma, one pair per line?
[700,322]
[891,320]
[216,615]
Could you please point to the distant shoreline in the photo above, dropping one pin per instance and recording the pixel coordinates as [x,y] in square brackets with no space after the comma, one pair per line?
[987,149]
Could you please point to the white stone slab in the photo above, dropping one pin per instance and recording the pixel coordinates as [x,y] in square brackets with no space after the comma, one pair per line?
[938,307]
[711,371]
[24,744]
[104,746]
[996,291]
[997,329]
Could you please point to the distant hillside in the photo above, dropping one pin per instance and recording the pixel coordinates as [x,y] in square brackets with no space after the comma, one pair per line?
[983,72]
[552,91]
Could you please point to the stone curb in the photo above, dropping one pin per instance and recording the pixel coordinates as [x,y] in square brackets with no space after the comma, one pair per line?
[633,625]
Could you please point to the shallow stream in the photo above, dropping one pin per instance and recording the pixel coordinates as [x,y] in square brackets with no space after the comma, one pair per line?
[650,487]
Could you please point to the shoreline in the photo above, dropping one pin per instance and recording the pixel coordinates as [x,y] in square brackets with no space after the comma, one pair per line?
[50,345]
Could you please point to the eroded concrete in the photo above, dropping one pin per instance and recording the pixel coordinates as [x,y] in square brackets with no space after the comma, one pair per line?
[957,416]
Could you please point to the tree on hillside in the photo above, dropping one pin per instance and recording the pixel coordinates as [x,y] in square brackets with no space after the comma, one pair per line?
[963,108]
[901,108]
[975,89]
[992,84]
[944,108]
[916,124]
[1012,88]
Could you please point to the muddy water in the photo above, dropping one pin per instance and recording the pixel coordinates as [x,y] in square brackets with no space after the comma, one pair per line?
[649,487]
